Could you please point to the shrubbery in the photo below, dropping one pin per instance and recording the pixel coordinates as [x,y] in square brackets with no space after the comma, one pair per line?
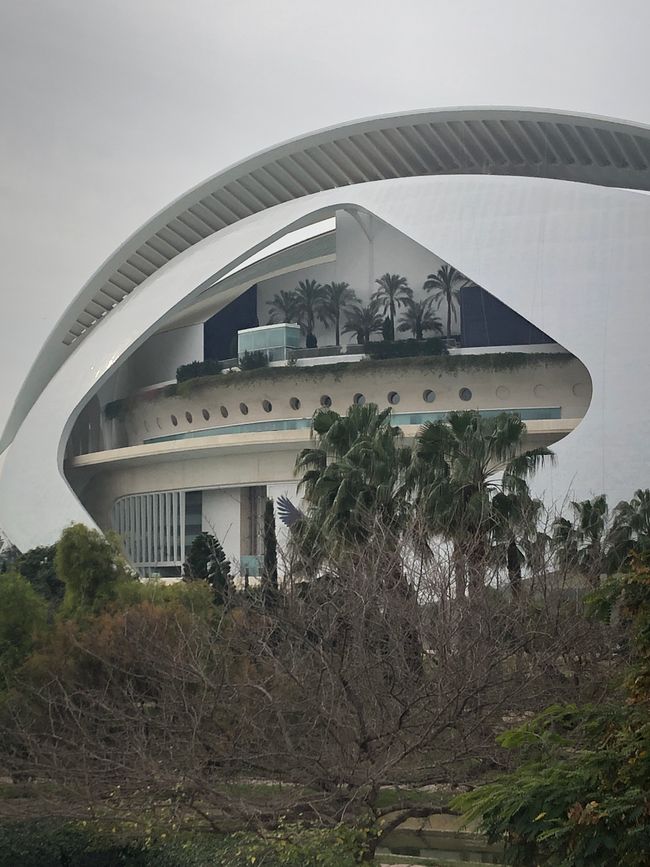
[23,616]
[195,369]
[253,360]
[48,843]
[406,348]
[580,796]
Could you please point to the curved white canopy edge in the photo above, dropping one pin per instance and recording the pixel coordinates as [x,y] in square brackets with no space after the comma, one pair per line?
[480,140]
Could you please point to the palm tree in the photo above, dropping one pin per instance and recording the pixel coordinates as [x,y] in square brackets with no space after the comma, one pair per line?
[351,478]
[364,321]
[631,524]
[282,307]
[338,297]
[467,475]
[583,544]
[353,482]
[393,291]
[446,284]
[310,299]
[418,318]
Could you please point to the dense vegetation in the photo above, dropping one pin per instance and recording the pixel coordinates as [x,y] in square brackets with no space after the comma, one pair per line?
[428,604]
[337,302]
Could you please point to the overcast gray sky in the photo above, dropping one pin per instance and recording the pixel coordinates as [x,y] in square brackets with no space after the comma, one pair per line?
[109,109]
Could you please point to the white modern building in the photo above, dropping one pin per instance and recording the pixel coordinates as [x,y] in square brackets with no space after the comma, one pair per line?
[548,213]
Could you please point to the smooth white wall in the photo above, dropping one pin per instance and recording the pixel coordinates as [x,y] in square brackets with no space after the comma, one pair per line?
[157,359]
[572,258]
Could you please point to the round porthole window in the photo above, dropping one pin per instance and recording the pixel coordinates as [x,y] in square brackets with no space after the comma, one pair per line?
[359,399]
[465,394]
[294,403]
[188,416]
[243,409]
[428,396]
[174,420]
[393,398]
[267,406]
[503,392]
[205,414]
[325,400]
[223,411]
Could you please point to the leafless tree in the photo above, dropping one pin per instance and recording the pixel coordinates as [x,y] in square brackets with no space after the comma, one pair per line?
[308,709]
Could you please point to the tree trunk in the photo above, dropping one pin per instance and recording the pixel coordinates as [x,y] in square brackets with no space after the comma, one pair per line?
[449,300]
[514,569]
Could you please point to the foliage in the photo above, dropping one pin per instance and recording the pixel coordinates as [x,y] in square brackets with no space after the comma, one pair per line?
[196,596]
[91,568]
[292,846]
[48,843]
[282,307]
[37,565]
[595,541]
[364,321]
[418,318]
[23,617]
[582,797]
[209,367]
[445,285]
[311,300]
[253,360]
[441,363]
[51,843]
[469,474]
[353,474]
[393,291]
[407,348]
[206,561]
[338,298]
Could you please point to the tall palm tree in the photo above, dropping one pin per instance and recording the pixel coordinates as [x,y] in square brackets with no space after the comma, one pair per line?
[467,473]
[353,482]
[282,307]
[418,318]
[364,321]
[393,291]
[631,524]
[583,544]
[310,298]
[445,285]
[338,298]
[352,477]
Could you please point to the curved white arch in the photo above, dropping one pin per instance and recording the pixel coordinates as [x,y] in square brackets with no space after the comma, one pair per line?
[541,246]
[482,140]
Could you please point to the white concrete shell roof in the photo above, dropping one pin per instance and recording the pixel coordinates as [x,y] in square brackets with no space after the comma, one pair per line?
[485,189]
[482,140]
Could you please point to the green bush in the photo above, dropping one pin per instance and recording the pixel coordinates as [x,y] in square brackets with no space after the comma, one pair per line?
[23,616]
[195,369]
[406,348]
[91,568]
[51,843]
[195,596]
[253,360]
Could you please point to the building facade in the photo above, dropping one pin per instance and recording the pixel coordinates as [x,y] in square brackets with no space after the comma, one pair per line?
[547,215]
